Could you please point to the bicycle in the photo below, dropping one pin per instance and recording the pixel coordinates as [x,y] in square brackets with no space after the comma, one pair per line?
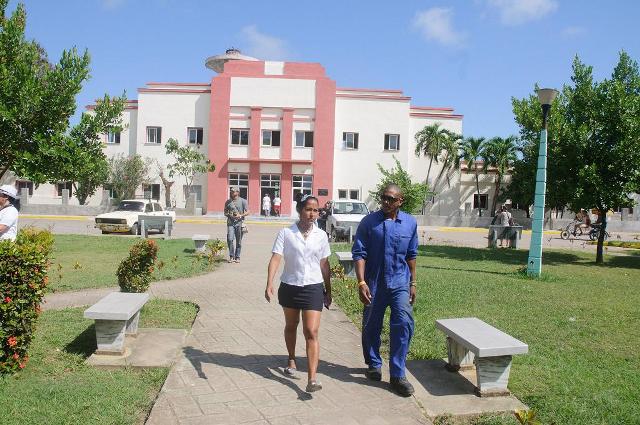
[594,233]
[573,229]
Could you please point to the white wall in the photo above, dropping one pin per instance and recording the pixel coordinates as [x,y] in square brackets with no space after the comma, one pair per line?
[273,92]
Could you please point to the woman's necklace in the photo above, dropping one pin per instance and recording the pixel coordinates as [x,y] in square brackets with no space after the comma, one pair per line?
[307,231]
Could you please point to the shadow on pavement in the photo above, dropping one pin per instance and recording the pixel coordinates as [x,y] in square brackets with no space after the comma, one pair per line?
[271,367]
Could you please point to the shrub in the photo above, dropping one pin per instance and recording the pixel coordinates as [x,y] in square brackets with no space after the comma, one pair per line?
[23,280]
[134,272]
[214,248]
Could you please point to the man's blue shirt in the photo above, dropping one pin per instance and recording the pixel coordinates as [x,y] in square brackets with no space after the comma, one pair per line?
[386,245]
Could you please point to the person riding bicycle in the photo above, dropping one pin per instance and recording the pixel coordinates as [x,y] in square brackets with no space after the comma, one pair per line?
[584,219]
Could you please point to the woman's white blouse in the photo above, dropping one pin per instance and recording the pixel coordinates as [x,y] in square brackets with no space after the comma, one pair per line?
[301,257]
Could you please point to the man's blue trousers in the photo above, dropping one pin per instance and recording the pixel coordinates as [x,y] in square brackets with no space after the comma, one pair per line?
[401,328]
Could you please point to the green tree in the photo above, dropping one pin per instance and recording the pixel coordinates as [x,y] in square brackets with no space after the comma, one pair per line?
[449,157]
[501,153]
[414,193]
[37,99]
[473,149]
[595,131]
[126,174]
[188,162]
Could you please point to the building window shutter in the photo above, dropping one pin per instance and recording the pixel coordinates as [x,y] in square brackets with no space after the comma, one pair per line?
[386,142]
[355,141]
[275,138]
[308,139]
[199,136]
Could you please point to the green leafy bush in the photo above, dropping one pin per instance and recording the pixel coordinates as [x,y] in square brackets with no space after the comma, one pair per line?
[23,280]
[134,272]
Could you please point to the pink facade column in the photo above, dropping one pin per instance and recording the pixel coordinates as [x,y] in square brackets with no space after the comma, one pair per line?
[217,183]
[285,190]
[324,131]
[286,138]
[254,188]
[254,133]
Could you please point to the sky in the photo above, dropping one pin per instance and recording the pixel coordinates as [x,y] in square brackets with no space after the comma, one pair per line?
[472,55]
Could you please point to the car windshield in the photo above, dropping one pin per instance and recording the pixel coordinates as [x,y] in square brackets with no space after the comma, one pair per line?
[131,206]
[350,208]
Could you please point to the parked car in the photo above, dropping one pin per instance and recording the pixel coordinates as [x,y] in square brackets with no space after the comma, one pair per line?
[344,217]
[125,218]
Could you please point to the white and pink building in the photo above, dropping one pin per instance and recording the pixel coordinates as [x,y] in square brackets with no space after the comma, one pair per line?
[283,127]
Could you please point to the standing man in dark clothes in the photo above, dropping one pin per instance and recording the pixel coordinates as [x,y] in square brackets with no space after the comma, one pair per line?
[384,252]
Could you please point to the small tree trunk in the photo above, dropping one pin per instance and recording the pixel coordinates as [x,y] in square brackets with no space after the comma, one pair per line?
[424,201]
[495,197]
[603,229]
[478,189]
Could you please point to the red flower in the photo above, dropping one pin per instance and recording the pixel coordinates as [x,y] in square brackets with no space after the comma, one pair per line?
[7,300]
[15,356]
[21,365]
[45,281]
[12,341]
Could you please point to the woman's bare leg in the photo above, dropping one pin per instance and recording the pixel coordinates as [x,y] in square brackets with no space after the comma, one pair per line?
[310,327]
[291,320]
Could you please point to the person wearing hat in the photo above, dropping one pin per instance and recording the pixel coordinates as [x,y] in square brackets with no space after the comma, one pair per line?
[235,209]
[8,213]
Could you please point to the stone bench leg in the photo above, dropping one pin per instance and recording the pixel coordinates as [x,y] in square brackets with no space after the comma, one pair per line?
[459,357]
[200,245]
[349,269]
[132,324]
[492,375]
[110,336]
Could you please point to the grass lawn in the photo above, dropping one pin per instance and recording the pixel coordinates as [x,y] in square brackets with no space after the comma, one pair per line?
[581,322]
[80,262]
[57,387]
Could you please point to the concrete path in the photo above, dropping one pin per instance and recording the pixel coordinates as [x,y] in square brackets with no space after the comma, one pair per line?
[230,371]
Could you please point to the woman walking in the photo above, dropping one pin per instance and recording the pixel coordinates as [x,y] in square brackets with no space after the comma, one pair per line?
[305,250]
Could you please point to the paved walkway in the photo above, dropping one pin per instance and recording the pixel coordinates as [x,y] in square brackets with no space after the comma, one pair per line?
[230,371]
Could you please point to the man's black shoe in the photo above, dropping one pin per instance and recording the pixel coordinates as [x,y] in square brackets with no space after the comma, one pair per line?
[402,386]
[374,373]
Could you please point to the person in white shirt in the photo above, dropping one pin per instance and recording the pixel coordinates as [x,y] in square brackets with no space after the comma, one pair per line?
[266,205]
[8,213]
[276,205]
[305,249]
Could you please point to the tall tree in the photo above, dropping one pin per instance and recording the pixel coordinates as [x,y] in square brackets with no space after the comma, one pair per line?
[472,149]
[430,141]
[501,153]
[595,146]
[188,162]
[127,174]
[37,99]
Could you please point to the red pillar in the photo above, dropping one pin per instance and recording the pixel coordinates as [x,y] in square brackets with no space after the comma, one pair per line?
[217,185]
[254,167]
[324,131]
[285,190]
[286,139]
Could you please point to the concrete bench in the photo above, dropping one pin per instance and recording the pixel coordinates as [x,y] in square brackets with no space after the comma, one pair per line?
[513,234]
[200,242]
[163,223]
[116,314]
[469,341]
[346,261]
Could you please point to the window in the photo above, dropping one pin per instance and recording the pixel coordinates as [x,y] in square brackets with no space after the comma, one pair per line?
[483,201]
[148,208]
[64,185]
[241,181]
[391,142]
[157,207]
[151,191]
[304,139]
[270,138]
[24,184]
[195,135]
[270,181]
[112,193]
[349,194]
[196,189]
[350,140]
[302,185]
[113,138]
[154,135]
[239,137]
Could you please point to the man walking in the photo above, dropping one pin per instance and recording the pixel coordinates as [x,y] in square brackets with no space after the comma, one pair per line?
[384,253]
[235,209]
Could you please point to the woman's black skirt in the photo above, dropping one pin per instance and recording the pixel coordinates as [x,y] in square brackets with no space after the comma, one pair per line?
[307,297]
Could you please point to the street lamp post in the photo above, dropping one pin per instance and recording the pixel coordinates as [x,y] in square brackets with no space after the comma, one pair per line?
[534,263]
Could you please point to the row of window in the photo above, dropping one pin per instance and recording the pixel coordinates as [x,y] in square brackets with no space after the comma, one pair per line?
[270,184]
[240,137]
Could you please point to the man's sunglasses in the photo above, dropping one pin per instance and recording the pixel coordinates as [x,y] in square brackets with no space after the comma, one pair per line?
[389,199]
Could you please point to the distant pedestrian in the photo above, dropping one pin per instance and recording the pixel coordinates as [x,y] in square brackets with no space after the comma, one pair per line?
[305,250]
[384,252]
[8,213]
[266,205]
[276,205]
[504,219]
[235,209]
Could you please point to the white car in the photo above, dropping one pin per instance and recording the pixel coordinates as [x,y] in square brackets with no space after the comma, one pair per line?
[344,217]
[125,218]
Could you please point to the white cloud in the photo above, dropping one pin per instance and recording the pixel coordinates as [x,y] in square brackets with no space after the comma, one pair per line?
[573,32]
[516,12]
[435,25]
[112,4]
[264,46]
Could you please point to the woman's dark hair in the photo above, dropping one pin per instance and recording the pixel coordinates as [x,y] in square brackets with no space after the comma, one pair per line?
[303,202]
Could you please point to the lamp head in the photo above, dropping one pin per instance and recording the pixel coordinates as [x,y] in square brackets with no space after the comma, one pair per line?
[546,96]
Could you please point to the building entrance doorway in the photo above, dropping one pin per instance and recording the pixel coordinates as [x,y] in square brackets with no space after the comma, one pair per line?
[301,185]
[269,185]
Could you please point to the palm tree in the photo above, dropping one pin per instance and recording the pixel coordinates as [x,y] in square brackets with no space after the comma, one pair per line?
[429,142]
[501,154]
[449,155]
[473,149]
